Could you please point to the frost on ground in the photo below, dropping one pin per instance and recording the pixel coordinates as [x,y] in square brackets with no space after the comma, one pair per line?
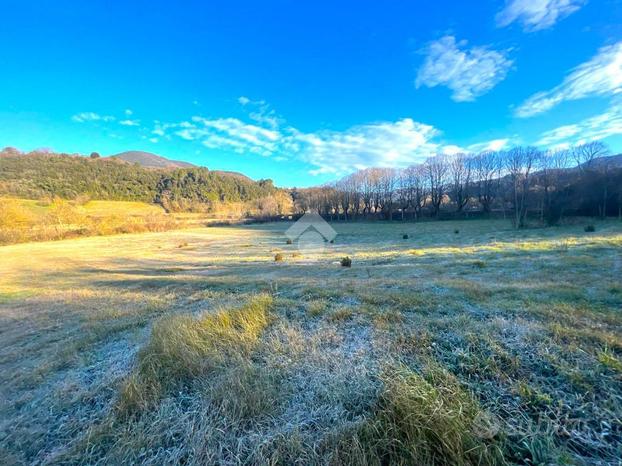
[488,347]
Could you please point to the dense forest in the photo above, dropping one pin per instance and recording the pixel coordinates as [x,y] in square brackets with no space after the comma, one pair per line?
[523,183]
[36,175]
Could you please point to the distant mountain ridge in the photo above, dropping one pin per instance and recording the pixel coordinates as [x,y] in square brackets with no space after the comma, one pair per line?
[150,160]
[610,161]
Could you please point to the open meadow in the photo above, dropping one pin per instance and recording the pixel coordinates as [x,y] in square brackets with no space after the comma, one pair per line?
[468,342]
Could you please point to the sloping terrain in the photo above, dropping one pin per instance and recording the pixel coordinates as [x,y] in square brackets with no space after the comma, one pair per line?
[150,160]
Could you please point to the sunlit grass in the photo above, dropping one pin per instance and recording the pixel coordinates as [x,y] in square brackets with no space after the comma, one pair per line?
[183,347]
[116,347]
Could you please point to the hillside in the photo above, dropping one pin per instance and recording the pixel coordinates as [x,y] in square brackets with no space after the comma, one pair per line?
[611,162]
[150,160]
[37,174]
[238,175]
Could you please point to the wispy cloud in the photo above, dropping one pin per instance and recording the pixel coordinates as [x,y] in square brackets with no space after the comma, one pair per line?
[600,76]
[492,145]
[535,15]
[261,112]
[593,128]
[389,143]
[85,117]
[329,152]
[383,144]
[129,122]
[230,133]
[468,72]
[91,116]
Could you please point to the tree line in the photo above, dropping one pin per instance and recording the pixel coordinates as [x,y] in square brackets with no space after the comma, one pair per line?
[521,183]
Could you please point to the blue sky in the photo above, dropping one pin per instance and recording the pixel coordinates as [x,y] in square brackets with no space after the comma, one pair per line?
[305,92]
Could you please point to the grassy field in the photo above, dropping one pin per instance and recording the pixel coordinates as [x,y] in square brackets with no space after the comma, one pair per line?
[24,220]
[467,343]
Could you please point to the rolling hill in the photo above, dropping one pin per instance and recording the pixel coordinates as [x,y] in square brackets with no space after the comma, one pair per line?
[150,160]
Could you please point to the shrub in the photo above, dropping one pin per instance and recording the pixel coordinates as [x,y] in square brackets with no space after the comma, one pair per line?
[456,231]
[404,236]
[346,262]
[479,264]
[289,241]
[590,228]
[278,257]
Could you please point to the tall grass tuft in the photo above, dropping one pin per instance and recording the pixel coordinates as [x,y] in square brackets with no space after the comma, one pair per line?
[427,419]
[183,348]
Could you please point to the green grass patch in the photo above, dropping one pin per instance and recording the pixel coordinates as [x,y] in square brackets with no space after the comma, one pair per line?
[341,314]
[608,359]
[429,419]
[182,348]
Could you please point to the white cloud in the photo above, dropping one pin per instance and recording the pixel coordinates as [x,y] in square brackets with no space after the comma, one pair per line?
[384,144]
[91,116]
[468,72]
[329,152]
[593,128]
[260,112]
[230,133]
[536,14]
[129,122]
[388,144]
[600,76]
[493,145]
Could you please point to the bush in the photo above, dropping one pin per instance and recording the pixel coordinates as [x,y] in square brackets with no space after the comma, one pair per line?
[590,228]
[289,241]
[278,257]
[404,236]
[346,262]
[456,231]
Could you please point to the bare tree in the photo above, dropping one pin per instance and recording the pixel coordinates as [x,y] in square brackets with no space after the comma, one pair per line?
[487,173]
[387,183]
[435,169]
[585,154]
[403,192]
[367,183]
[518,163]
[459,168]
